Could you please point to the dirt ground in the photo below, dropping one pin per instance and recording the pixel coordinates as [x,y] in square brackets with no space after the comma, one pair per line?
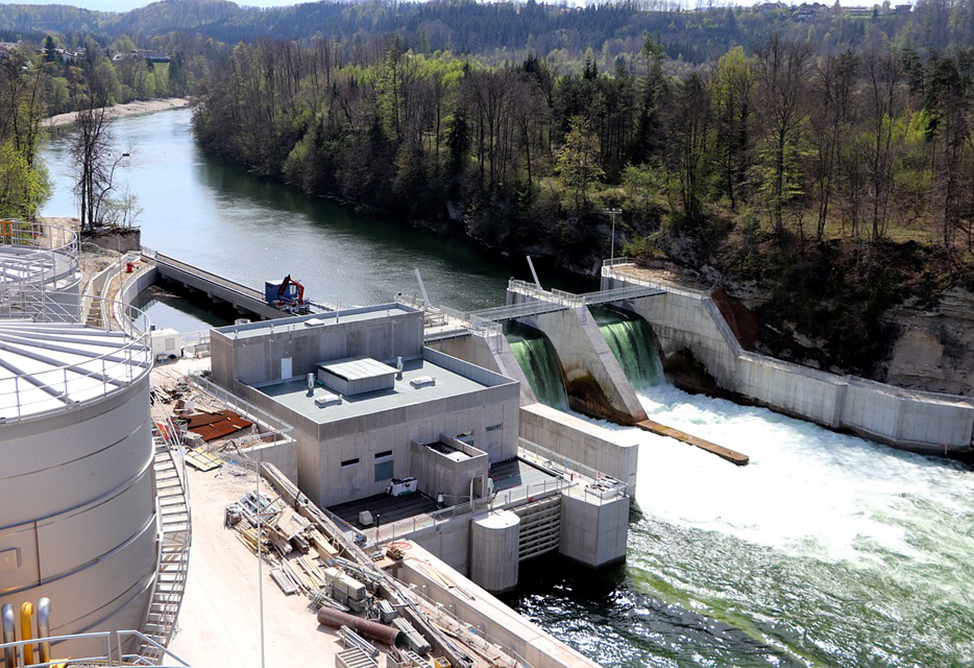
[219,624]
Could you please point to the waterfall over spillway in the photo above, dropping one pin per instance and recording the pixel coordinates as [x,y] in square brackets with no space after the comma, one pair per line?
[633,343]
[539,361]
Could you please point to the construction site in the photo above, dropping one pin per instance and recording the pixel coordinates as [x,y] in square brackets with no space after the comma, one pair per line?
[217,517]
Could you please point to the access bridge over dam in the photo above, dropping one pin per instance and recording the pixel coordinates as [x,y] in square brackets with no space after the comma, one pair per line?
[246,300]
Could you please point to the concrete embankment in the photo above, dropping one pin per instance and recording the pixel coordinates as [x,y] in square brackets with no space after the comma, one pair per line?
[685,319]
[477,607]
[579,440]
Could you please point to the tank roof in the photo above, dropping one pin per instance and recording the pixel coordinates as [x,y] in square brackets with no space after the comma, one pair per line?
[47,366]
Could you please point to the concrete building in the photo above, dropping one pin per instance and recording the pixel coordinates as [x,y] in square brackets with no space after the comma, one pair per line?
[365,398]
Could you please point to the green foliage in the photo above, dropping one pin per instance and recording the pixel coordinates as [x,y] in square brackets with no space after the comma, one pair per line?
[577,163]
[23,187]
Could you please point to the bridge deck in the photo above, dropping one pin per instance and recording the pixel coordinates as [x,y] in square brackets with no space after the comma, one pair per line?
[555,300]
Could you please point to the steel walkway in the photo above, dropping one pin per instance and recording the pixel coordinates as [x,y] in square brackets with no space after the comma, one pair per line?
[551,301]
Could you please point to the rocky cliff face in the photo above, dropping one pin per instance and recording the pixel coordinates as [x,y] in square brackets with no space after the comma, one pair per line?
[934,349]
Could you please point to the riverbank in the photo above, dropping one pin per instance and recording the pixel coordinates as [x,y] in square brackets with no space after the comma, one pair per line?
[127,109]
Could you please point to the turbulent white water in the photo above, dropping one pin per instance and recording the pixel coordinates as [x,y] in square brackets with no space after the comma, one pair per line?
[832,549]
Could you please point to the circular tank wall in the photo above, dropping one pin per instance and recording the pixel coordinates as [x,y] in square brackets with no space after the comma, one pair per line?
[77,503]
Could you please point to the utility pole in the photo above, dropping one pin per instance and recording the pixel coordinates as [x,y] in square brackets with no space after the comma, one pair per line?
[612,213]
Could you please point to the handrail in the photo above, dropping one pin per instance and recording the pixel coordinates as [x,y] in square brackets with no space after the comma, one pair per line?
[405,527]
[244,290]
[124,364]
[230,399]
[113,656]
[20,234]
[568,466]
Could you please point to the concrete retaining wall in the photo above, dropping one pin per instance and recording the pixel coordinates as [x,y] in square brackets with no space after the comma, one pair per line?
[918,421]
[480,609]
[579,440]
[489,352]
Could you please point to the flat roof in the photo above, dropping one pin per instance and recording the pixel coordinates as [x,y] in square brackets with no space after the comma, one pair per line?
[314,321]
[357,368]
[293,394]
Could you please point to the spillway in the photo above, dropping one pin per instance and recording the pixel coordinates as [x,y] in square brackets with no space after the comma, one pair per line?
[539,361]
[633,343]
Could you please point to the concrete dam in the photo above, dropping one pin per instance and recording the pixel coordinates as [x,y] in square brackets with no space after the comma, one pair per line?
[608,344]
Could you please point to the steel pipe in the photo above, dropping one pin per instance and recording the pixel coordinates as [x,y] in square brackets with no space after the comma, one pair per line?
[9,622]
[27,631]
[44,628]
[388,635]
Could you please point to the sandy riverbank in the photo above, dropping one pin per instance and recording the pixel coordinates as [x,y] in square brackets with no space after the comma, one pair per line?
[128,109]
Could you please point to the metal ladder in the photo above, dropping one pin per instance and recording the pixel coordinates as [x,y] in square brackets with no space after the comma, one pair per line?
[172,494]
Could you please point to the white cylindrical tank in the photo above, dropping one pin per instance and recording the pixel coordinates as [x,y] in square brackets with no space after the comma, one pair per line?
[494,551]
[77,501]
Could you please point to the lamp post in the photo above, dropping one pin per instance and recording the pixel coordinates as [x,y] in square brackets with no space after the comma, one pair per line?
[612,214]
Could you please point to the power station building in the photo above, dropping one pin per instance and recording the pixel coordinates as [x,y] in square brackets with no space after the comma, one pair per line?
[369,402]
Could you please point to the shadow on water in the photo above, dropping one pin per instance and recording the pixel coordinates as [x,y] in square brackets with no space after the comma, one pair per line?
[182,312]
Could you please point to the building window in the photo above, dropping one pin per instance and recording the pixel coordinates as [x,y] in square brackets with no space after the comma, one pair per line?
[383,470]
[495,427]
[349,463]
[383,454]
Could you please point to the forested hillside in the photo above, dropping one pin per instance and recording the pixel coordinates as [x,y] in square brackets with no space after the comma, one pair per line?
[498,30]
[820,161]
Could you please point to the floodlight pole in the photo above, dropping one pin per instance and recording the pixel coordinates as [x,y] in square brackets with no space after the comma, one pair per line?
[612,214]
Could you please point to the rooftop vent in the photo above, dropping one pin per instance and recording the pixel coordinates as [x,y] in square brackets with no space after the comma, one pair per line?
[422,381]
[314,322]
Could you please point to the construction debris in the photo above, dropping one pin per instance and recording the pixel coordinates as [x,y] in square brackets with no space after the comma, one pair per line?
[309,553]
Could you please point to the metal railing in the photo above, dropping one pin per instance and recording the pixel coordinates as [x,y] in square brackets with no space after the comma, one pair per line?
[187,268]
[113,655]
[406,527]
[169,563]
[244,407]
[113,370]
[197,343]
[610,487]
[37,245]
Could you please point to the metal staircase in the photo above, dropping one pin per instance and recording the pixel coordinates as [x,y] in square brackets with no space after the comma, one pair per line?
[172,494]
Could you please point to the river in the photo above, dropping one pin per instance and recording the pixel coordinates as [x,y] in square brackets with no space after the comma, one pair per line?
[826,550]
[202,209]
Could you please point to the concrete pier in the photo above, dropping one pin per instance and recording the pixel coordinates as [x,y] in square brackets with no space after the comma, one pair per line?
[582,441]
[245,299]
[595,382]
[594,530]
[490,351]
